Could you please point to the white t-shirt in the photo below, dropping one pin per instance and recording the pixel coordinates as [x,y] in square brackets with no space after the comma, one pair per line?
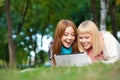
[112,48]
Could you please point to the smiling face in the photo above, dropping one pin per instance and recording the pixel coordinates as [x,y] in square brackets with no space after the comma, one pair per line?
[85,40]
[68,37]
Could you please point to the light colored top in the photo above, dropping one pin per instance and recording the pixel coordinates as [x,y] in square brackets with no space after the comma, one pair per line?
[111,52]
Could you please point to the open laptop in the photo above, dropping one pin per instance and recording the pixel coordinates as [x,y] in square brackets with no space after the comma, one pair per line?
[78,59]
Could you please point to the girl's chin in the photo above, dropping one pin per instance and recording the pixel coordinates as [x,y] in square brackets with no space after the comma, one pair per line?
[86,48]
[67,46]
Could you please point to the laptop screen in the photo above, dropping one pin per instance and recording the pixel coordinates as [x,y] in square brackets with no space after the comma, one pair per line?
[77,59]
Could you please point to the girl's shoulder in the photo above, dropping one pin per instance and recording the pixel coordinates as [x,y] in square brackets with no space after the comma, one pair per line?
[51,42]
[50,50]
[106,34]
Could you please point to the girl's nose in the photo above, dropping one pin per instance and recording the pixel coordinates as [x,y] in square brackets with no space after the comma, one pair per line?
[83,40]
[70,37]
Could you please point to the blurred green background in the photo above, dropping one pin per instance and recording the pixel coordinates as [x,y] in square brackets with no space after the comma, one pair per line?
[32,20]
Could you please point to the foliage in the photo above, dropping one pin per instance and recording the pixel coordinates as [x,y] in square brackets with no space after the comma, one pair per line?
[89,72]
[117,2]
[3,35]
[32,17]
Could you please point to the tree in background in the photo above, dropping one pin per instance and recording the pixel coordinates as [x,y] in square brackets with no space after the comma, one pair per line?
[32,17]
[103,12]
[94,11]
[12,63]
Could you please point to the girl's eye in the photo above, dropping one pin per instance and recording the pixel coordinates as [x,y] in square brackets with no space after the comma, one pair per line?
[65,34]
[87,37]
[80,37]
[73,34]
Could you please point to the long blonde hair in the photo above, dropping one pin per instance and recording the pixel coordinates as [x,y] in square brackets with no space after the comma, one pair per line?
[90,27]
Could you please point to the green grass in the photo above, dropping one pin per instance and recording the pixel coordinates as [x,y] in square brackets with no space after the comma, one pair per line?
[89,72]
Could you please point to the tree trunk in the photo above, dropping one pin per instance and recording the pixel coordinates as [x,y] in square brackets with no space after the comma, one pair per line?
[20,24]
[112,15]
[12,63]
[104,7]
[95,19]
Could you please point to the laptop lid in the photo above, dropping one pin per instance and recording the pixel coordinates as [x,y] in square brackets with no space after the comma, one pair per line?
[78,59]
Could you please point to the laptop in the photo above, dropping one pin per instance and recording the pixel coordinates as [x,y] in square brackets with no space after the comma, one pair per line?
[78,59]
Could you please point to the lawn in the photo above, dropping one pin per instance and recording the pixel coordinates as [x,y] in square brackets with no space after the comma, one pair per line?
[96,71]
